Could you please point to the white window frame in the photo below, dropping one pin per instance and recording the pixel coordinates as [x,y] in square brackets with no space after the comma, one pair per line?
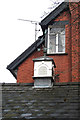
[57,41]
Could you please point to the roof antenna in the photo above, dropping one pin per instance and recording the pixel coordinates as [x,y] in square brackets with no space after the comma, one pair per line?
[33,22]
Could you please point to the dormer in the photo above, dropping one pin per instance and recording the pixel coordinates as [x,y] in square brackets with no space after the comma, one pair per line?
[54,30]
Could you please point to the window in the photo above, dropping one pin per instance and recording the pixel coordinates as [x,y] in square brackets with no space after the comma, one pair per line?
[56,40]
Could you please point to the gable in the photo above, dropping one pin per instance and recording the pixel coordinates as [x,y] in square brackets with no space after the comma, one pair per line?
[44,24]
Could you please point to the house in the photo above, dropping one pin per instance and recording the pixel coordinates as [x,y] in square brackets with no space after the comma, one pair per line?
[61,39]
[61,42]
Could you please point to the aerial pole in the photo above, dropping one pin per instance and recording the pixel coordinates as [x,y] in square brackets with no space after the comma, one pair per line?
[33,22]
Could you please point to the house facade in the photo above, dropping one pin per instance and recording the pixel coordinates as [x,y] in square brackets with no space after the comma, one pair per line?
[61,40]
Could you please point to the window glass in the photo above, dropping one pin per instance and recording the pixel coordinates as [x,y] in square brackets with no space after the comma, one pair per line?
[61,41]
[56,40]
[52,43]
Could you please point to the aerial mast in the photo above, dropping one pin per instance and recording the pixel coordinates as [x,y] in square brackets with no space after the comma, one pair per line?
[33,22]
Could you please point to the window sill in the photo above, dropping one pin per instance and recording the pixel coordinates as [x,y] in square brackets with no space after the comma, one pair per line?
[57,54]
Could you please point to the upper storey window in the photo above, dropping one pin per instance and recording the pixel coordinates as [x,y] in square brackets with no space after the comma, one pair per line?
[56,40]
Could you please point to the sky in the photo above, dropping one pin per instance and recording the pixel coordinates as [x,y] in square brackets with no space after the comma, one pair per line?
[17,35]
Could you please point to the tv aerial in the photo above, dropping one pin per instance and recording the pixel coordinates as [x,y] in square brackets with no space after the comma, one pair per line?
[33,22]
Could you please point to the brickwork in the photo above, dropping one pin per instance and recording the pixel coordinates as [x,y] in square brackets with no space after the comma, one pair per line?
[25,70]
[67,65]
[63,62]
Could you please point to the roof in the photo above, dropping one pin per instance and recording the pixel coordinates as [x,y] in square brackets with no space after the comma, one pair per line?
[20,101]
[48,19]
[25,54]
[43,58]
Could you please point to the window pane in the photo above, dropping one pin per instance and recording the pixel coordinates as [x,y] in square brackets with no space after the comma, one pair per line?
[61,41]
[52,44]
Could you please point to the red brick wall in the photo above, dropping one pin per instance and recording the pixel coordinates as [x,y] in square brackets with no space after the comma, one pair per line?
[67,65]
[63,62]
[25,70]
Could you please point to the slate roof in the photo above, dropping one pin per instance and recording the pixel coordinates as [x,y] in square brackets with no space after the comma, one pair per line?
[25,102]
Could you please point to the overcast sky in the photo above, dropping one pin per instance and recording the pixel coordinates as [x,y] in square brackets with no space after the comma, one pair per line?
[15,35]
